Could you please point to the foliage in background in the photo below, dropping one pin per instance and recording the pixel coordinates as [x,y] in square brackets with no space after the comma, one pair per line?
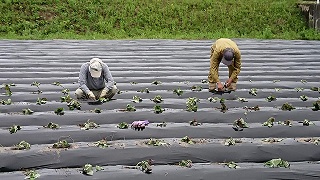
[144,19]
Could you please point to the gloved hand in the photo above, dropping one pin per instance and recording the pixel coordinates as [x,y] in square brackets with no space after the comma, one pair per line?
[220,86]
[212,86]
[228,82]
[91,96]
[104,92]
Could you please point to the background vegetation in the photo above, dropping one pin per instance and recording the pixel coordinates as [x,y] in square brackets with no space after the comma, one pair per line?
[145,19]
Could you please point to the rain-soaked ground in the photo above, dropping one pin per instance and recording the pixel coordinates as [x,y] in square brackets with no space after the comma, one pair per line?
[285,70]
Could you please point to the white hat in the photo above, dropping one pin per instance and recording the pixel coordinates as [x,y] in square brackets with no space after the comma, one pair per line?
[95,67]
[228,55]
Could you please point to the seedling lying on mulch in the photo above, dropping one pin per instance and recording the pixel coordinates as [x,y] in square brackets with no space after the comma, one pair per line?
[314,141]
[59,111]
[316,106]
[87,169]
[97,110]
[14,129]
[65,91]
[298,89]
[41,101]
[213,99]
[74,104]
[287,107]
[286,123]
[272,140]
[52,125]
[88,125]
[306,122]
[271,98]
[132,83]
[304,81]
[315,89]
[129,108]
[136,99]
[155,142]
[185,163]
[22,145]
[223,107]
[276,163]
[139,125]
[192,104]
[231,165]
[204,81]
[277,89]
[196,88]
[231,142]
[102,144]
[242,99]
[304,98]
[156,82]
[255,108]
[275,81]
[188,140]
[6,102]
[57,83]
[8,89]
[194,123]
[35,83]
[163,124]
[157,99]
[123,125]
[61,144]
[157,109]
[31,174]
[103,100]
[269,122]
[145,166]
[240,124]
[66,98]
[146,90]
[253,91]
[178,92]
[27,111]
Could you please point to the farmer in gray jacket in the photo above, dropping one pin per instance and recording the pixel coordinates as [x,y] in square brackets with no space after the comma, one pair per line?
[95,81]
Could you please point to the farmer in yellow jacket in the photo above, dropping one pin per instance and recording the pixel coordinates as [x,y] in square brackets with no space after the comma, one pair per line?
[227,52]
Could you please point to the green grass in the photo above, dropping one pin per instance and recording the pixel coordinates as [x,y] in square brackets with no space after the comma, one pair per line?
[153,19]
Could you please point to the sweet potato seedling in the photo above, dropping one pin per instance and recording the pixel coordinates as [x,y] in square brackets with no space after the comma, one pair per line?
[102,144]
[37,84]
[74,104]
[213,99]
[88,125]
[316,106]
[196,88]
[271,98]
[194,123]
[146,90]
[242,99]
[178,92]
[276,163]
[269,122]
[41,101]
[8,89]
[240,124]
[231,165]
[157,99]
[52,125]
[61,144]
[163,124]
[6,102]
[136,99]
[31,174]
[97,110]
[57,83]
[22,145]
[185,163]
[87,169]
[271,140]
[231,142]
[14,129]
[145,166]
[188,140]
[156,82]
[157,109]
[298,89]
[307,122]
[65,91]
[287,107]
[192,104]
[286,123]
[27,111]
[155,142]
[123,125]
[59,111]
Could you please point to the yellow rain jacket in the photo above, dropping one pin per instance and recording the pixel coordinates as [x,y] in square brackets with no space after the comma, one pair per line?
[216,56]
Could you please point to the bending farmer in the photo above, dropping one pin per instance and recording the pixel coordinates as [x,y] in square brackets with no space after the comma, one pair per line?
[95,81]
[226,51]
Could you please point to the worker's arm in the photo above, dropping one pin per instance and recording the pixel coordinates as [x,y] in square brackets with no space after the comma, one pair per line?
[213,76]
[108,77]
[83,78]
[236,65]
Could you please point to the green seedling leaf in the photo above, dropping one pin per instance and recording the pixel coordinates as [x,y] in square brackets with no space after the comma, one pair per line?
[222,100]
[156,82]
[65,91]
[253,91]
[130,108]
[14,129]
[99,168]
[314,141]
[315,89]
[232,165]
[132,83]
[299,89]
[287,107]
[146,90]
[240,124]
[316,106]
[304,81]
[104,100]
[97,110]
[61,144]
[196,88]
[178,92]
[7,89]
[163,124]
[145,166]
[6,102]
[213,99]
[194,123]
[230,142]
[27,111]
[22,145]
[158,109]
[74,104]
[52,125]
[275,81]
[88,125]
[286,123]
[306,122]
[87,170]
[59,111]
[57,83]
[157,99]
[223,108]
[66,98]
[255,108]
[204,81]
[35,83]
[136,99]
[155,142]
[102,144]
[41,101]
[31,174]
[277,89]
[276,163]
[188,140]
[269,122]
[242,99]
[185,163]
[192,104]
[123,125]
[272,140]
[271,98]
